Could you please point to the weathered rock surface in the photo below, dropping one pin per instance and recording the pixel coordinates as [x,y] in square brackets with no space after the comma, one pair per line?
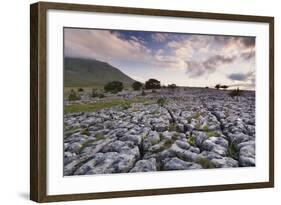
[195,129]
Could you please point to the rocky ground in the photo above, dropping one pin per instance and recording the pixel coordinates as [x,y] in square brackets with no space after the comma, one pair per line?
[192,129]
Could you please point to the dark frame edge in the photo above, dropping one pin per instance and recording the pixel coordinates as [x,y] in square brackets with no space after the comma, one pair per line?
[155,192]
[271,101]
[34,187]
[37,104]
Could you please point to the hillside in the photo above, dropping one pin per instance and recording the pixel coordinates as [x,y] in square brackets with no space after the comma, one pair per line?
[86,72]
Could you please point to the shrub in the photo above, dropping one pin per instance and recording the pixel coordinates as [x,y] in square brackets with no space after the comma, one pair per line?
[114,87]
[143,93]
[73,96]
[152,84]
[137,85]
[80,90]
[161,101]
[101,95]
[96,94]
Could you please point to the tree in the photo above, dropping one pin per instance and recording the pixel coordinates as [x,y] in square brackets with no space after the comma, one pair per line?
[224,87]
[172,86]
[114,87]
[218,86]
[137,85]
[152,84]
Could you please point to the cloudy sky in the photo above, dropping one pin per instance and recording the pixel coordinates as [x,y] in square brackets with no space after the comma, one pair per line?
[183,59]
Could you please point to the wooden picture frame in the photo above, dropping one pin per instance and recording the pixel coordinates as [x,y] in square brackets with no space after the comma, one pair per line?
[38,100]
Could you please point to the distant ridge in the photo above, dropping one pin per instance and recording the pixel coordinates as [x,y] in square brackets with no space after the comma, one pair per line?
[80,72]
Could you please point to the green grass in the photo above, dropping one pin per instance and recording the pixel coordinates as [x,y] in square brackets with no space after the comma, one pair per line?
[173,127]
[84,132]
[197,126]
[69,132]
[125,104]
[232,152]
[196,115]
[85,144]
[161,102]
[98,137]
[205,163]
[206,128]
[212,134]
[189,120]
[191,141]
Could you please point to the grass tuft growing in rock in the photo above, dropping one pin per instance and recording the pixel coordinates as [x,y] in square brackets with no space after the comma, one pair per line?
[205,163]
[99,136]
[232,151]
[84,132]
[161,102]
[196,115]
[206,128]
[174,127]
[197,126]
[212,134]
[191,141]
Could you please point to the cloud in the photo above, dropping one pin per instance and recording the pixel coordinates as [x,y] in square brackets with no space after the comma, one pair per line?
[103,45]
[196,55]
[199,68]
[238,76]
[242,76]
[248,55]
[159,37]
[195,69]
[213,62]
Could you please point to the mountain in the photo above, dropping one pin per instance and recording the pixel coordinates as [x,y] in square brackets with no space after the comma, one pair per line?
[80,72]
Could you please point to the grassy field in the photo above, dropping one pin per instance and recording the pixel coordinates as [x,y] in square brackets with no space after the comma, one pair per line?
[103,104]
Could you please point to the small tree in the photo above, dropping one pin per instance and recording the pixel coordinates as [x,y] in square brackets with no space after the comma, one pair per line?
[137,85]
[224,87]
[218,86]
[236,93]
[152,84]
[73,96]
[114,87]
